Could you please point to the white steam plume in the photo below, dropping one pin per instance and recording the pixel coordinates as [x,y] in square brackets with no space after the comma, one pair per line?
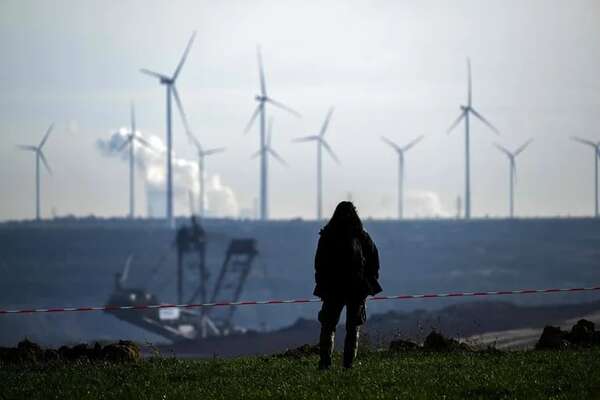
[425,203]
[220,199]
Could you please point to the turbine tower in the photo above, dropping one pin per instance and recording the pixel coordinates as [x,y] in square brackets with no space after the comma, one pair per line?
[466,112]
[202,153]
[132,137]
[39,155]
[596,147]
[171,89]
[321,143]
[262,99]
[512,172]
[400,151]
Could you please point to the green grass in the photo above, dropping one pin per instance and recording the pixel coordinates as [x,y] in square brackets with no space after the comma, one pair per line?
[523,375]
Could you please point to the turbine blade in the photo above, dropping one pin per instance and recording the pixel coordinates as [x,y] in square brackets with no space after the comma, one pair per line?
[583,141]
[186,126]
[269,131]
[503,149]
[261,73]
[214,151]
[523,147]
[192,138]
[256,154]
[277,156]
[126,142]
[326,122]
[391,144]
[330,151]
[456,122]
[27,148]
[143,142]
[252,118]
[414,142]
[45,162]
[306,139]
[284,107]
[185,54]
[132,118]
[154,74]
[46,136]
[485,121]
[470,85]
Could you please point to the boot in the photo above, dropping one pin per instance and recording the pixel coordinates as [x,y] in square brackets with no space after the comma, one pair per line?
[350,346]
[326,348]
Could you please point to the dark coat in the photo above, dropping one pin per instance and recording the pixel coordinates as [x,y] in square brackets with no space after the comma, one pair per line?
[337,261]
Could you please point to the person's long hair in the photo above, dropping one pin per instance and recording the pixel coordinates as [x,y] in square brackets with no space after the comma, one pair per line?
[345,220]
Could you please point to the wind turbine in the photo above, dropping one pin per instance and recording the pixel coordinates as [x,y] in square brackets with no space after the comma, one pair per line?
[202,153]
[169,82]
[400,151]
[321,143]
[512,172]
[596,147]
[262,99]
[466,112]
[39,155]
[132,137]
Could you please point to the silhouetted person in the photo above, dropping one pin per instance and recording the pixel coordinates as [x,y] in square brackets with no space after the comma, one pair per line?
[346,272]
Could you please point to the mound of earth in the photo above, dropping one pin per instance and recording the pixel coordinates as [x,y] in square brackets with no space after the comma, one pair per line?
[582,334]
[30,352]
[305,350]
[473,318]
[435,342]
[459,320]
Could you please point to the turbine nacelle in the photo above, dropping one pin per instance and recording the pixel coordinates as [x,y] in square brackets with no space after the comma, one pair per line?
[319,138]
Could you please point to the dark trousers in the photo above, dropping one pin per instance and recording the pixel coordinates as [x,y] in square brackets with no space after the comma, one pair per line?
[329,316]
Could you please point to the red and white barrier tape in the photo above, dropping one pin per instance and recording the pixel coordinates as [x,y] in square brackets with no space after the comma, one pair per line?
[294,301]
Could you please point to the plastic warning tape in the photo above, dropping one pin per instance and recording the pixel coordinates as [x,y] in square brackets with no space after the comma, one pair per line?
[295,301]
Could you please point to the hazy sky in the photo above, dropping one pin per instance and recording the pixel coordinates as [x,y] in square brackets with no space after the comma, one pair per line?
[394,68]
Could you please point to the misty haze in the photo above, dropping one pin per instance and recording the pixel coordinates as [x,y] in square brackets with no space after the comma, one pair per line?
[175,165]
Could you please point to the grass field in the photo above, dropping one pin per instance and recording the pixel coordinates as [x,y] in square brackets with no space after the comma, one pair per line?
[382,375]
